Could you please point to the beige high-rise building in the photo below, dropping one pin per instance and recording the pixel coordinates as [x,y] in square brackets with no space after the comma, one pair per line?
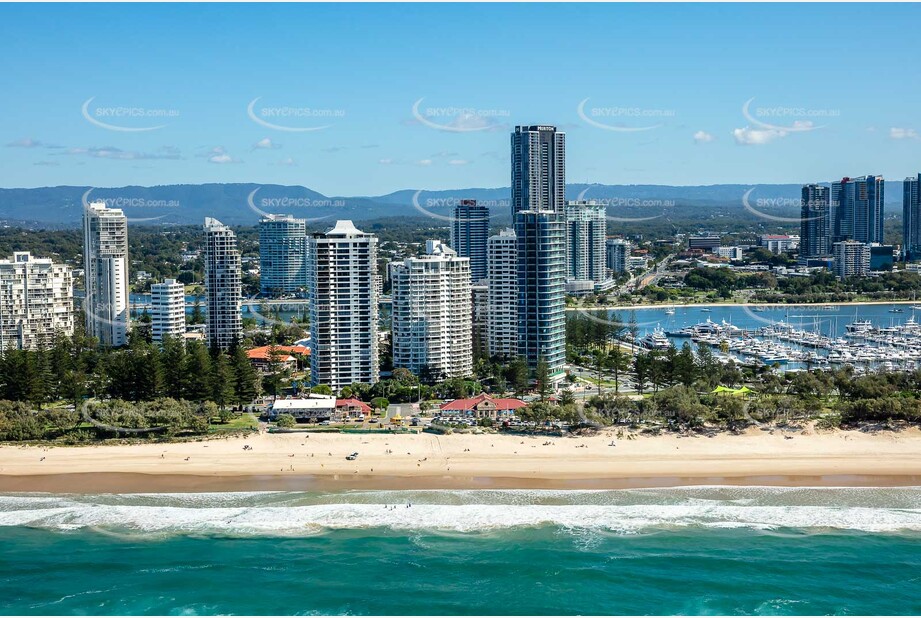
[502,295]
[432,314]
[167,309]
[36,302]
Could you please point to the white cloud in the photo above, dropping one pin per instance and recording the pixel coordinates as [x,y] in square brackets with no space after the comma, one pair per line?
[110,152]
[223,158]
[26,142]
[265,143]
[424,162]
[756,137]
[458,162]
[702,137]
[902,133]
[219,156]
[385,161]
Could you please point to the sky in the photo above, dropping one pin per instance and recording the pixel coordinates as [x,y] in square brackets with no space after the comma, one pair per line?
[367,99]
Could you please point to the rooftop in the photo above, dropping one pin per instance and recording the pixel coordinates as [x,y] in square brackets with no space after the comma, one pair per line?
[472,402]
[284,351]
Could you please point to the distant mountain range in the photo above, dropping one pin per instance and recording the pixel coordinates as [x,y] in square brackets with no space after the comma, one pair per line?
[243,203]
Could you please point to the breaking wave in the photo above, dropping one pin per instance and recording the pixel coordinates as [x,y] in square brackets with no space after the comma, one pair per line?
[878,510]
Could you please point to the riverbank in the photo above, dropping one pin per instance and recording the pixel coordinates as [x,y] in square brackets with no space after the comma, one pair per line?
[735,304]
[427,461]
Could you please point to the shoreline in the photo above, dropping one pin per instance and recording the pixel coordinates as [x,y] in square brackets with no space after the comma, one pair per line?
[856,303]
[317,462]
[135,483]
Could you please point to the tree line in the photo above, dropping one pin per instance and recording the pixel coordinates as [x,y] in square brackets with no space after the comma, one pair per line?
[74,369]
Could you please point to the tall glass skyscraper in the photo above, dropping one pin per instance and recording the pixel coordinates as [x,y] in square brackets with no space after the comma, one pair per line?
[469,233]
[857,204]
[541,287]
[538,169]
[815,222]
[911,218]
[282,255]
[538,202]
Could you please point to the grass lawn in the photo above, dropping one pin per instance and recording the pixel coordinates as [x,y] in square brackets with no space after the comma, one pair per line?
[595,381]
[243,421]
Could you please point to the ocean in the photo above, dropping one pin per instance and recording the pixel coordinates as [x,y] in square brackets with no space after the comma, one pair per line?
[700,550]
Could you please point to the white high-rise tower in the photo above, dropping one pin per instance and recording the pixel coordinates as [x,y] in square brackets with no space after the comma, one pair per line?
[432,326]
[341,274]
[502,304]
[223,285]
[167,309]
[105,266]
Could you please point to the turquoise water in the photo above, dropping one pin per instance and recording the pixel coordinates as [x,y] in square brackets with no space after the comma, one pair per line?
[709,550]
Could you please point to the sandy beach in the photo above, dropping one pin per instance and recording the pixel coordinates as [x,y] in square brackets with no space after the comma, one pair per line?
[318,461]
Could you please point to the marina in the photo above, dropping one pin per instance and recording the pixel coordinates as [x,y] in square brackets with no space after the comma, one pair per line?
[866,337]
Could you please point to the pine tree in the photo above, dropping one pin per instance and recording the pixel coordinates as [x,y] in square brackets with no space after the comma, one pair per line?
[542,373]
[197,316]
[222,381]
[146,371]
[198,372]
[172,358]
[245,378]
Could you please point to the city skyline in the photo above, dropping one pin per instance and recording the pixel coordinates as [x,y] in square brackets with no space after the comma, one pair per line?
[763,122]
[530,308]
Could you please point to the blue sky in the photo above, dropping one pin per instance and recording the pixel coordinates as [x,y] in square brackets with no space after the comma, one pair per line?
[836,88]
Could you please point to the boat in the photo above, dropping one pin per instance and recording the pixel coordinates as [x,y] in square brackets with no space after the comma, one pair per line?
[670,311]
[656,340]
[896,310]
[705,311]
[859,326]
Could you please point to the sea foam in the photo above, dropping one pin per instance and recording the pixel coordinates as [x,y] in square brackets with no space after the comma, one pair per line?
[471,511]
